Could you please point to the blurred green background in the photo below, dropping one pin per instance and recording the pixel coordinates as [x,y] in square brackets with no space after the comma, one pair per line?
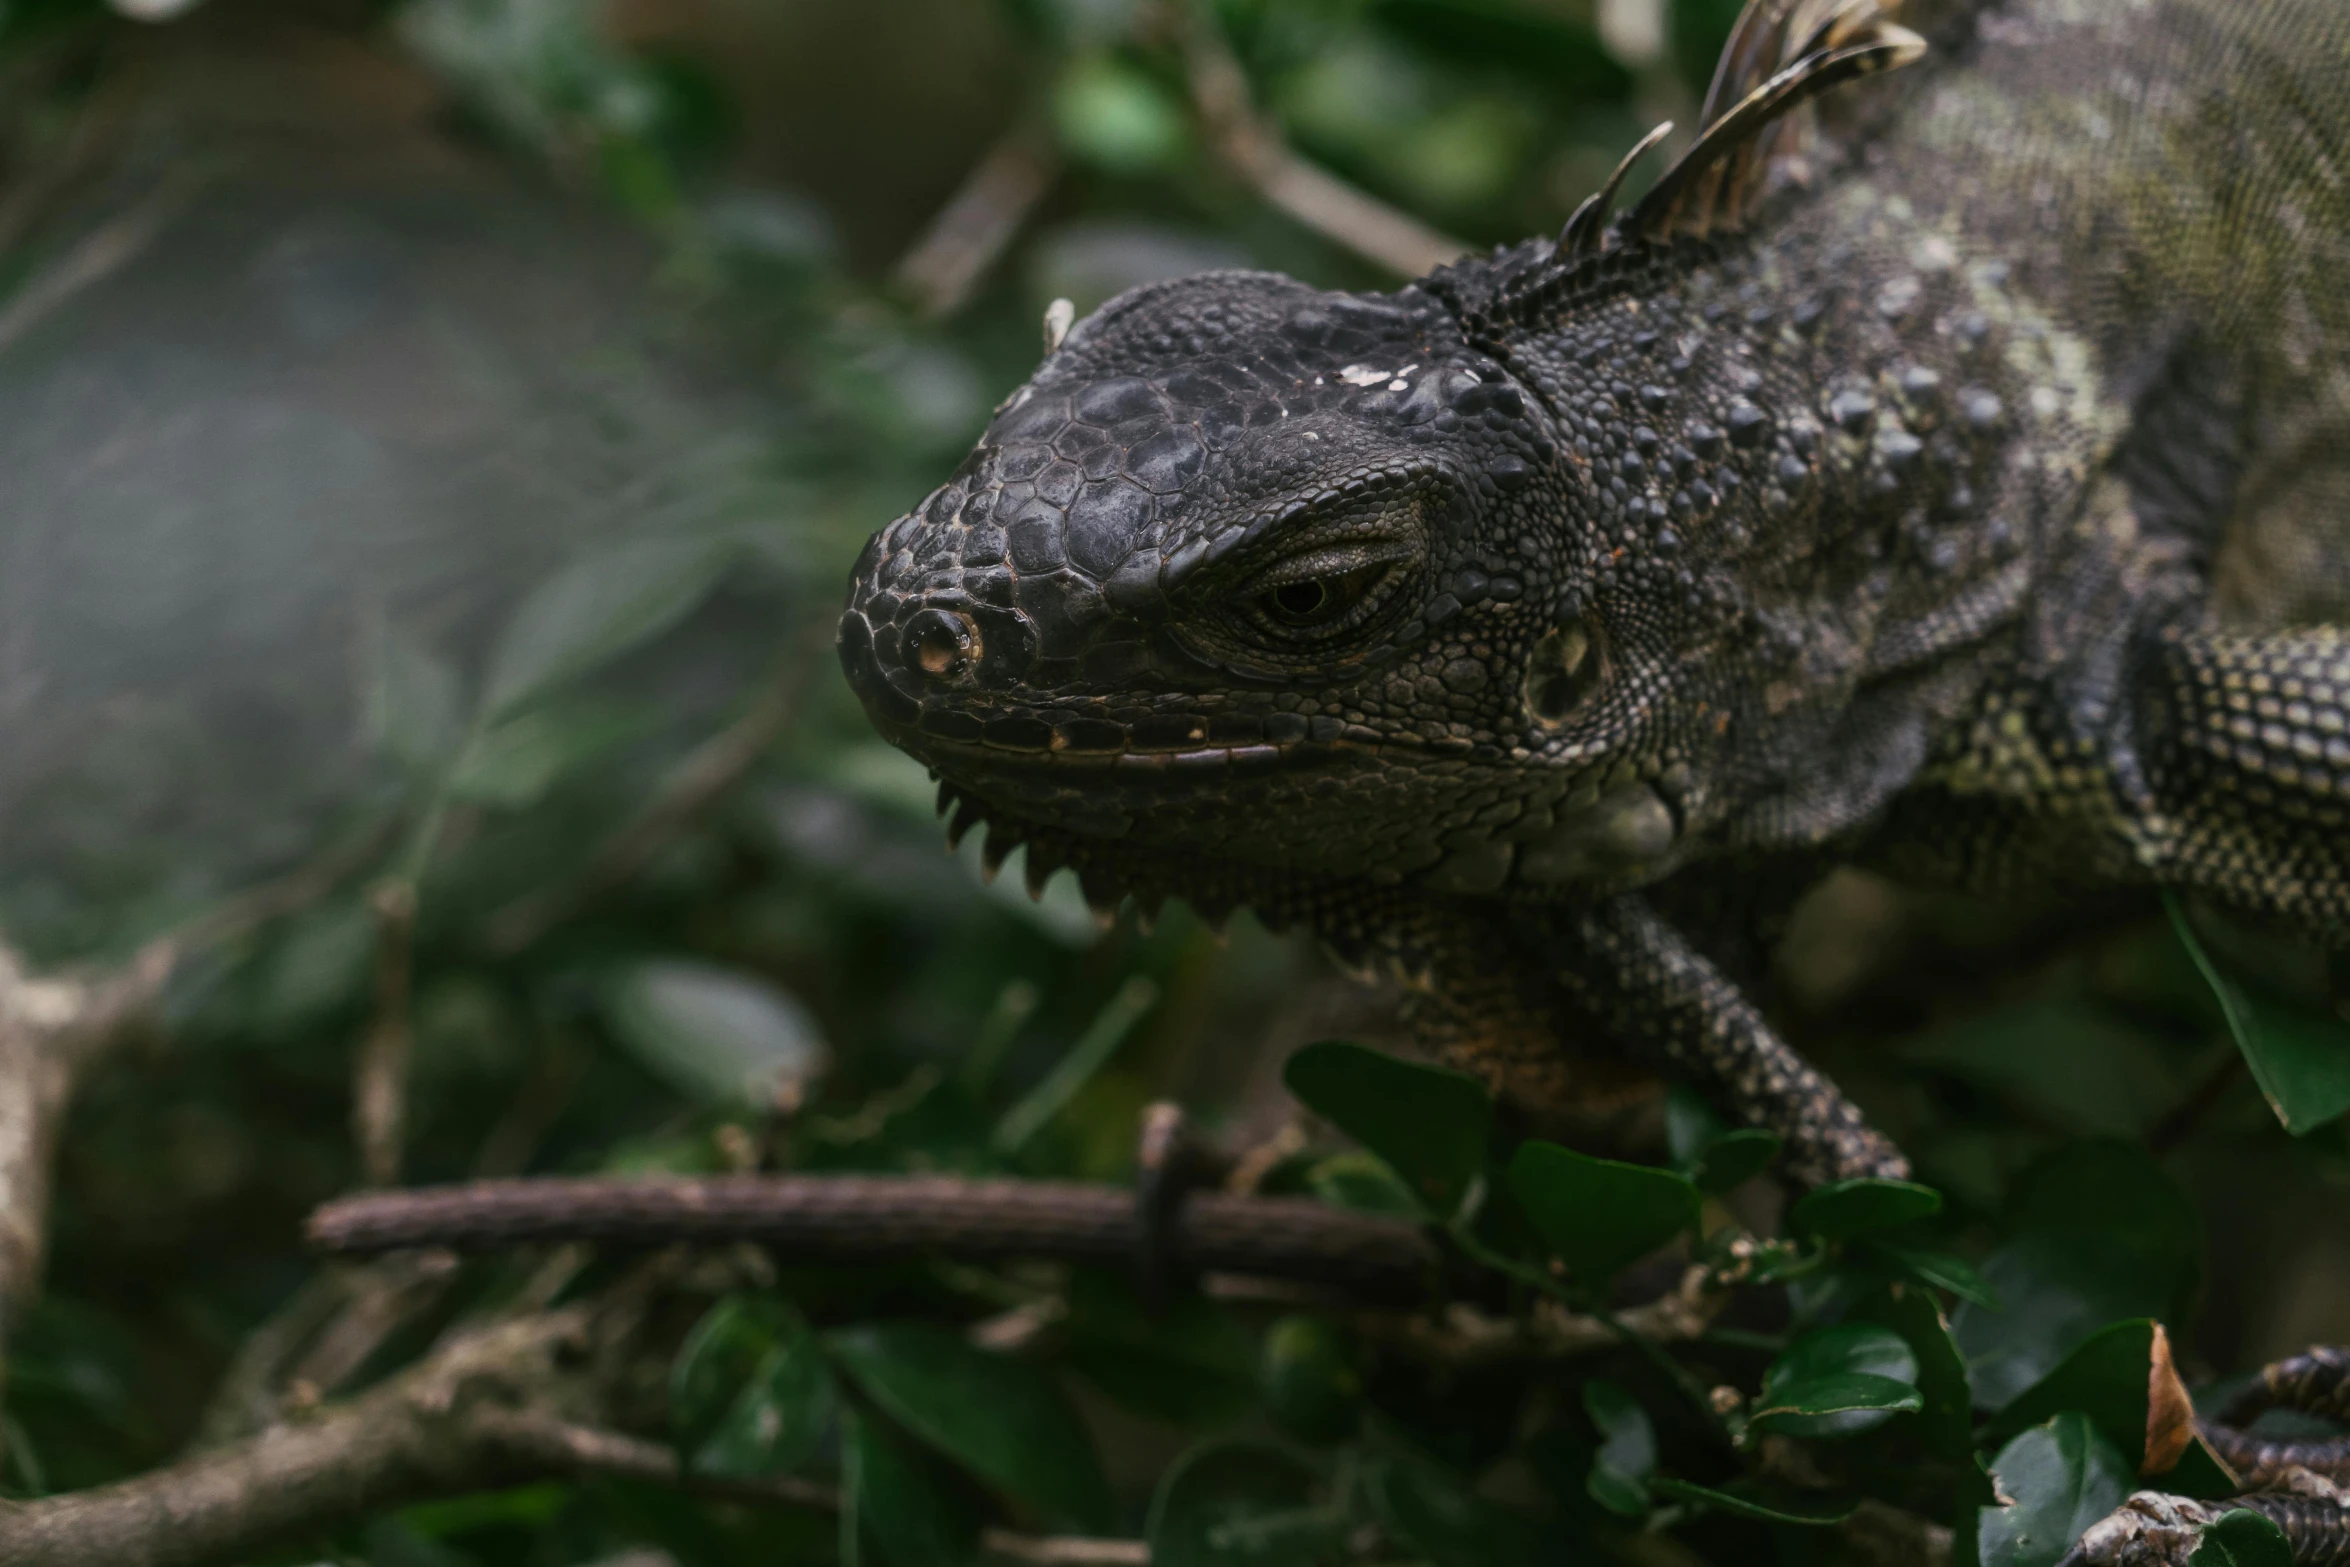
[432,441]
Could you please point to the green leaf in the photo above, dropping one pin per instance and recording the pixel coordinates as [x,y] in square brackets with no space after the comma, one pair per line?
[1839,1381]
[1312,1389]
[2100,1234]
[1734,1158]
[2108,1379]
[1003,1419]
[750,1393]
[513,764]
[894,1493]
[2061,1478]
[1817,1408]
[1240,1504]
[1626,1458]
[1946,1424]
[595,609]
[717,1033]
[1938,1269]
[2241,1538]
[1761,1501]
[1844,1209]
[1364,1183]
[1117,118]
[1431,1125]
[2299,1056]
[1596,1214]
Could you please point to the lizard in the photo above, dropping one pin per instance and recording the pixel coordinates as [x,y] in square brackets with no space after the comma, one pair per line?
[1947,473]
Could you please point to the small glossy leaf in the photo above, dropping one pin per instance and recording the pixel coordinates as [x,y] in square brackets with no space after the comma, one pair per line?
[2104,1380]
[2241,1538]
[1241,1504]
[1939,1269]
[595,609]
[1004,1420]
[2061,1478]
[1848,1208]
[1363,1183]
[1946,1424]
[1761,1501]
[1431,1125]
[1827,1382]
[1596,1214]
[1626,1458]
[1816,1408]
[1311,1387]
[2299,1056]
[750,1392]
[893,1493]
[716,1032]
[1734,1158]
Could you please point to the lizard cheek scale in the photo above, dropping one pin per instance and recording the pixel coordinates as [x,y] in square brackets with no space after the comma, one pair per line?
[1535,632]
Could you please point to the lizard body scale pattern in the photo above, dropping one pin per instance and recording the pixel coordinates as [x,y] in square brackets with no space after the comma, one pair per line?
[1948,473]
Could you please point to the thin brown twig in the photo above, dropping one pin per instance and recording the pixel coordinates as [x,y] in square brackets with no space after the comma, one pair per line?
[697,783]
[963,242]
[95,257]
[1065,1550]
[1308,193]
[379,1089]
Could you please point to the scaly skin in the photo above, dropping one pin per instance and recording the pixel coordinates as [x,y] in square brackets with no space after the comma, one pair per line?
[1975,510]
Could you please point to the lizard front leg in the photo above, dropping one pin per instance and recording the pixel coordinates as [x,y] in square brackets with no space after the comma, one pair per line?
[1660,998]
[2245,743]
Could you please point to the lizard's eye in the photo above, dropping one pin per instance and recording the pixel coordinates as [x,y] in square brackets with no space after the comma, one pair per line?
[1316,601]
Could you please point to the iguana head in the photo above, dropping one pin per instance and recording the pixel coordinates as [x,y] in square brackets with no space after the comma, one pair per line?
[1453,585]
[1298,578]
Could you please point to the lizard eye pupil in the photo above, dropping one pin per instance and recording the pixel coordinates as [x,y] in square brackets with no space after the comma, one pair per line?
[1302,600]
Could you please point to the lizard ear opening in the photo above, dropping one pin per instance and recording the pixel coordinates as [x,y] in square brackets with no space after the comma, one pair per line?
[1562,673]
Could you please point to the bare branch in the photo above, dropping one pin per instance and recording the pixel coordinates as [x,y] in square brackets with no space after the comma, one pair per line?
[969,234]
[51,1029]
[443,1427]
[863,1217]
[1305,191]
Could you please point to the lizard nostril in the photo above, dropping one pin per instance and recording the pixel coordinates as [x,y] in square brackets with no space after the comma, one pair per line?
[942,643]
